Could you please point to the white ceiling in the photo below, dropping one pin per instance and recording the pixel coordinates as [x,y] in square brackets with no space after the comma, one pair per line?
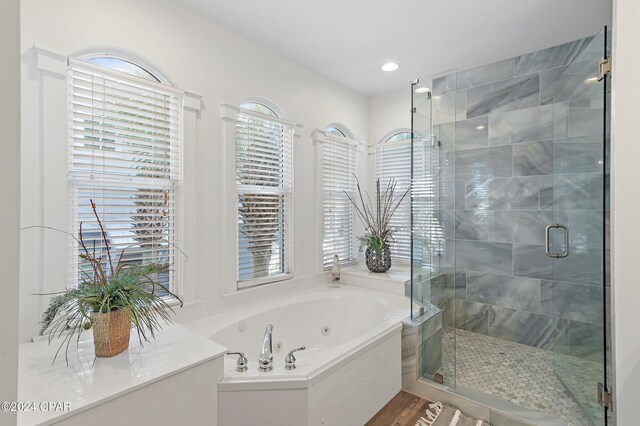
[348,40]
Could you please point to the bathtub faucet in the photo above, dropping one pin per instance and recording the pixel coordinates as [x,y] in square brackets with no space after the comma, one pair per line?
[265,361]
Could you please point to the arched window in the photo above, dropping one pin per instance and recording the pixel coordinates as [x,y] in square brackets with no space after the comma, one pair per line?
[126,146]
[264,179]
[335,131]
[122,65]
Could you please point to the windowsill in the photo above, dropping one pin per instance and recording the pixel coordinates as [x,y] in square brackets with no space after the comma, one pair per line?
[395,281]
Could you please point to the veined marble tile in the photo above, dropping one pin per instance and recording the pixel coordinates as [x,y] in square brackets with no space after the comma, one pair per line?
[461,105]
[484,257]
[582,154]
[546,297]
[582,266]
[507,95]
[504,290]
[486,74]
[444,108]
[571,85]
[473,224]
[522,125]
[461,285]
[472,133]
[584,121]
[578,302]
[550,58]
[533,158]
[586,229]
[586,340]
[472,316]
[531,261]
[523,327]
[546,192]
[578,191]
[548,84]
[516,193]
[529,226]
[497,161]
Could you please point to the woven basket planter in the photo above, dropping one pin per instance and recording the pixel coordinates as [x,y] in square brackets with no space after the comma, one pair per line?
[111,332]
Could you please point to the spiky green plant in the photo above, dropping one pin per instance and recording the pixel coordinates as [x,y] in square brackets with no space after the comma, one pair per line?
[111,286]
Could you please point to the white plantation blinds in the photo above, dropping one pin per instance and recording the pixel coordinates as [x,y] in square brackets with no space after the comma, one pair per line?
[264,185]
[393,160]
[125,143]
[338,170]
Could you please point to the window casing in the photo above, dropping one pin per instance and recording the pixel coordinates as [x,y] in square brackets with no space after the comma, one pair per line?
[264,182]
[125,154]
[338,180]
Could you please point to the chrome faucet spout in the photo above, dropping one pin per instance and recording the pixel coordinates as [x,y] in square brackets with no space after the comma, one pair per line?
[265,360]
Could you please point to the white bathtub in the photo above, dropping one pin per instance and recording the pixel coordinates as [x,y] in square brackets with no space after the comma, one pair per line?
[350,369]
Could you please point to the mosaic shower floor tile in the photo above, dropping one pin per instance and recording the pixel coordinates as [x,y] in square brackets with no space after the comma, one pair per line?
[518,373]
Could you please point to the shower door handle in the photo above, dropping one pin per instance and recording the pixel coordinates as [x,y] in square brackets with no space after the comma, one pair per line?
[565,253]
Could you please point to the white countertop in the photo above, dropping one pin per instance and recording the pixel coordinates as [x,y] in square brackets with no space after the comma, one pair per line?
[85,383]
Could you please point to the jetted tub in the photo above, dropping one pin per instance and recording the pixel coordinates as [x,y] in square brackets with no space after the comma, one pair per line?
[350,369]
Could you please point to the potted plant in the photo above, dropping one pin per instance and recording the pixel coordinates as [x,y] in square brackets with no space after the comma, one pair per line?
[375,219]
[111,299]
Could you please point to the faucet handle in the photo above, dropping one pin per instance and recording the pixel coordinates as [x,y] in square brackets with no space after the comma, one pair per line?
[241,363]
[290,360]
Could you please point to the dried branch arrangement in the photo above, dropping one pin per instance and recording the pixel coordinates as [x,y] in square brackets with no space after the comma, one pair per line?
[376,216]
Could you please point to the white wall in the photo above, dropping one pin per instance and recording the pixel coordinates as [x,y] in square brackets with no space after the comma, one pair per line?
[199,55]
[626,209]
[10,196]
[387,112]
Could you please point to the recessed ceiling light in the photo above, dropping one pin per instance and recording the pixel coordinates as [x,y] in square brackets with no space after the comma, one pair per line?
[480,127]
[389,66]
[422,90]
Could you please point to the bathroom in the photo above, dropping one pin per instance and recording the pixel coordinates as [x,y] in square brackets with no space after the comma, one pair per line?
[508,137]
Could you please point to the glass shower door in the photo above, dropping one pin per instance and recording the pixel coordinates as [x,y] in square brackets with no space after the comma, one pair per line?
[576,240]
[432,261]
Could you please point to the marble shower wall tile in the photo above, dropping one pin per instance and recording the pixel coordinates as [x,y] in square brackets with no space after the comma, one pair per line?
[533,158]
[531,261]
[582,266]
[546,297]
[523,227]
[586,340]
[507,95]
[516,193]
[522,125]
[582,154]
[496,161]
[461,285]
[578,192]
[548,84]
[578,302]
[484,257]
[504,290]
[585,229]
[550,58]
[472,316]
[485,74]
[523,327]
[472,133]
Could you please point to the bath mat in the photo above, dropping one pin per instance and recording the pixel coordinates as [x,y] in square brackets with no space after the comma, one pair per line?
[439,414]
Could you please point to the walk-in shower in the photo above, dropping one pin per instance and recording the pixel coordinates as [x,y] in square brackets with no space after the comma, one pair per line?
[510,230]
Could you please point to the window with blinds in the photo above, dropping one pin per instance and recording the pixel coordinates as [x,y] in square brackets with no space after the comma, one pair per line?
[125,142]
[338,179]
[393,160]
[264,184]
